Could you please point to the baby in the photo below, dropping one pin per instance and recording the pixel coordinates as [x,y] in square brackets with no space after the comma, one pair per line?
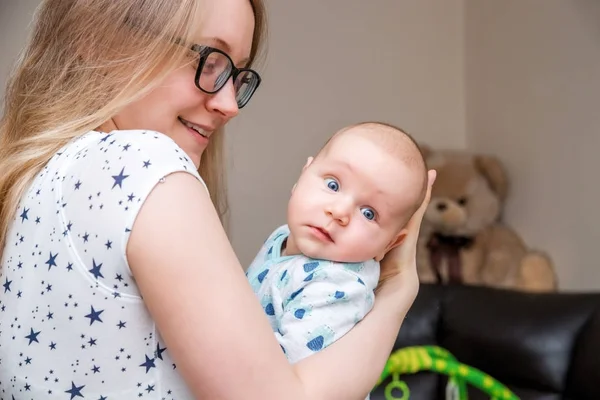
[316,276]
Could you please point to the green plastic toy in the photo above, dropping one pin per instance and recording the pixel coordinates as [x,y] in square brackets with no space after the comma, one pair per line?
[415,359]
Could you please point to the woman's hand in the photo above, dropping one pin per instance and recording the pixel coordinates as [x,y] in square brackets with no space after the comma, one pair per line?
[399,266]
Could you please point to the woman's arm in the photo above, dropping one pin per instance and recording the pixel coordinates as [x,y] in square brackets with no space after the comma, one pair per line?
[212,323]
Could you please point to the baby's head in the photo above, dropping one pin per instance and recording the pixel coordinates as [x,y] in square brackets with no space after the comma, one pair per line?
[354,199]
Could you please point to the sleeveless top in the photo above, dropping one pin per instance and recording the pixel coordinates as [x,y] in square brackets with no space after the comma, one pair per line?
[72,322]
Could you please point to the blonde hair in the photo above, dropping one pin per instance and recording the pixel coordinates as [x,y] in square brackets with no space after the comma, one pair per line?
[84,62]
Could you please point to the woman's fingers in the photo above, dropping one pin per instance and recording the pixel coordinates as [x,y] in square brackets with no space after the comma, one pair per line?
[402,258]
[414,225]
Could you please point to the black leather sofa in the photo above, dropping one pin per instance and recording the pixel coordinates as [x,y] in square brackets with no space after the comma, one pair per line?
[544,346]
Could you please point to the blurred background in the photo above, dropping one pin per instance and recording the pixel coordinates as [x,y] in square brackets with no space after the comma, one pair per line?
[519,79]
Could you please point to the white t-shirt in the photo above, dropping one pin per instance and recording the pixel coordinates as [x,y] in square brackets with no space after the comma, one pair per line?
[72,322]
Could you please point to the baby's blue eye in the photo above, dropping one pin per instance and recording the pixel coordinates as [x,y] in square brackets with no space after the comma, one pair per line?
[332,184]
[368,213]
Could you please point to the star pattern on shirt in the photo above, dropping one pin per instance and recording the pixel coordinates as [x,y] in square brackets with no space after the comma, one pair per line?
[120,178]
[70,310]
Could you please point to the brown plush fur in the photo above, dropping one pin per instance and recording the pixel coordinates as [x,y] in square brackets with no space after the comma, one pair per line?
[466,202]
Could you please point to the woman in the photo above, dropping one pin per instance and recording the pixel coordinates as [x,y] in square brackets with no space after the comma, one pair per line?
[108,231]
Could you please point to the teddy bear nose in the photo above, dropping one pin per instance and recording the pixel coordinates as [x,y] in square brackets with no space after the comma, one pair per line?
[442,206]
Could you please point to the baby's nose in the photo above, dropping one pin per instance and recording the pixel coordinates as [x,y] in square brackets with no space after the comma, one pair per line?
[339,213]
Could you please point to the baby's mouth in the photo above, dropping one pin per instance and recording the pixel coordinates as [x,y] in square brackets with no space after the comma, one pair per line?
[324,233]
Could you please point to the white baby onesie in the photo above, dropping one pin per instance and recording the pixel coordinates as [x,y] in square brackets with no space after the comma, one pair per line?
[310,303]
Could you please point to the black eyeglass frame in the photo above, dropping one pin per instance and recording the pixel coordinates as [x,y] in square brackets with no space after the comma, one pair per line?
[204,52]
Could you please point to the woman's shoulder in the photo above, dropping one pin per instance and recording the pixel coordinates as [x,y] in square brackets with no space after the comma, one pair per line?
[122,153]
[104,179]
[132,144]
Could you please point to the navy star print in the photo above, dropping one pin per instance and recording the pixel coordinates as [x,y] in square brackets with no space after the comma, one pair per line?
[72,321]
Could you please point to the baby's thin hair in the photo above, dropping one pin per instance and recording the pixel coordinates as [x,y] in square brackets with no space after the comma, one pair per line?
[394,140]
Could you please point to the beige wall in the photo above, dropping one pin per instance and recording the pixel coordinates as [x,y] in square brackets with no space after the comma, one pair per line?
[329,64]
[15,17]
[332,63]
[533,98]
[532,83]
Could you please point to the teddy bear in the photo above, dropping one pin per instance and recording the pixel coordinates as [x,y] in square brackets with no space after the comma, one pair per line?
[462,239]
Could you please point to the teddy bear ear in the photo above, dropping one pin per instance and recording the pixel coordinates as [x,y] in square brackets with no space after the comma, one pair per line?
[494,172]
[425,150]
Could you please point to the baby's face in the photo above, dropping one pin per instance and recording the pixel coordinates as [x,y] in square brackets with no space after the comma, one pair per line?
[351,202]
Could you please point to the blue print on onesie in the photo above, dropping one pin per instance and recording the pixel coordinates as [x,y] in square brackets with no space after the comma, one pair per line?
[310,303]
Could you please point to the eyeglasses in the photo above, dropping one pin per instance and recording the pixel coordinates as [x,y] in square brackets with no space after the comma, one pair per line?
[216,67]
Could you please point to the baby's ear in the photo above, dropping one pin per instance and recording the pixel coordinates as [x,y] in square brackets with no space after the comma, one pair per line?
[309,161]
[396,241]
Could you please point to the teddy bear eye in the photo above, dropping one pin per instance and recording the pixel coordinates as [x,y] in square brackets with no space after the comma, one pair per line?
[462,201]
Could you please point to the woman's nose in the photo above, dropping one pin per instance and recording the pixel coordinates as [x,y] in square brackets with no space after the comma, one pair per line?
[224,101]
